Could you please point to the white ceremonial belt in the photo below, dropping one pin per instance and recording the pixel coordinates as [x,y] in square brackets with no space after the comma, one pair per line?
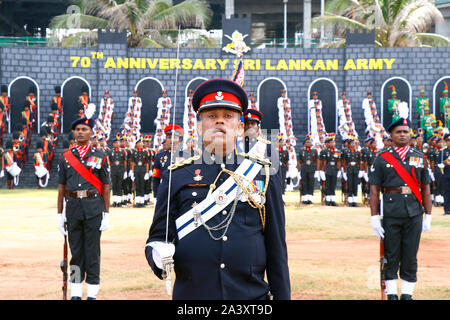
[218,200]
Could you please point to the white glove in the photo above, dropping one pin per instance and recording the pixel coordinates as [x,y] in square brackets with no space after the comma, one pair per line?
[105,222]
[360,174]
[339,174]
[161,250]
[322,176]
[124,175]
[431,174]
[426,223]
[131,175]
[344,175]
[2,174]
[60,224]
[441,166]
[150,174]
[376,226]
[146,176]
[366,177]
[317,175]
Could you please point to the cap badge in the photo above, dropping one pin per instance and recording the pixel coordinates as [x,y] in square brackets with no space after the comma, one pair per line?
[219,95]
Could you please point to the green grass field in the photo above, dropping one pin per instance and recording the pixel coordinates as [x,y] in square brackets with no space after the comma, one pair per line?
[333,253]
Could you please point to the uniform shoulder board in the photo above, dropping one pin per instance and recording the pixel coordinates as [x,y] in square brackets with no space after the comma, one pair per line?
[183,162]
[263,140]
[257,159]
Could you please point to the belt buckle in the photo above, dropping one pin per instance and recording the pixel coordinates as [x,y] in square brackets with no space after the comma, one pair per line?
[116,163]
[82,194]
[352,163]
[308,162]
[405,190]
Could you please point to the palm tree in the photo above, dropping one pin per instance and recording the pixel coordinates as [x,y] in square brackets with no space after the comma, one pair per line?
[149,22]
[397,23]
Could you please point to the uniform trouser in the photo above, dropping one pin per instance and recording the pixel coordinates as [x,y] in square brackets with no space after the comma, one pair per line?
[139,174]
[330,184]
[401,244]
[438,180]
[116,179]
[307,182]
[283,178]
[352,180]
[446,187]
[84,242]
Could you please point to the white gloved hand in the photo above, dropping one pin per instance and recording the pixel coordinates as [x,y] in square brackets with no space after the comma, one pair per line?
[375,221]
[161,250]
[344,175]
[322,176]
[60,224]
[339,174]
[2,174]
[431,174]
[131,176]
[317,175]
[105,222]
[130,173]
[361,174]
[426,223]
[125,175]
[441,166]
[366,177]
[146,176]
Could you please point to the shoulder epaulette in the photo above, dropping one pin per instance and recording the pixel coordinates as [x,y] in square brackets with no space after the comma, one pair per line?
[257,159]
[183,162]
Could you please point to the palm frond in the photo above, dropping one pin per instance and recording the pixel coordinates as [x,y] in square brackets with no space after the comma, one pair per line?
[77,20]
[339,22]
[432,39]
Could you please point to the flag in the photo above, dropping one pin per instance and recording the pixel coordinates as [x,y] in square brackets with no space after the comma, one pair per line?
[238,76]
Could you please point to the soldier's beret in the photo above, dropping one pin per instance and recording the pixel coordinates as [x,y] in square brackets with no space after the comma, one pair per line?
[369,92]
[57,89]
[253,114]
[170,128]
[399,122]
[219,93]
[85,121]
[31,90]
[4,88]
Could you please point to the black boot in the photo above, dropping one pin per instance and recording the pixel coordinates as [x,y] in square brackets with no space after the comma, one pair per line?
[90,298]
[75,298]
[392,297]
[406,297]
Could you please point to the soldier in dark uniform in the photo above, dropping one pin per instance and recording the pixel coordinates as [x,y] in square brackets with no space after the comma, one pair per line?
[140,166]
[437,167]
[446,176]
[284,163]
[162,158]
[352,167]
[239,242]
[367,159]
[9,158]
[118,162]
[308,160]
[401,174]
[84,185]
[330,167]
[148,183]
[127,184]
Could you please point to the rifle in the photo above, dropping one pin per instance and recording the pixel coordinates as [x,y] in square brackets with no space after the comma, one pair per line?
[383,262]
[63,265]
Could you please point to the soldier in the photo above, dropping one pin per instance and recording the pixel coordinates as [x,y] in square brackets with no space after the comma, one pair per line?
[118,161]
[352,171]
[162,159]
[10,161]
[2,164]
[58,100]
[420,104]
[83,100]
[330,169]
[3,123]
[401,173]
[437,167]
[444,106]
[31,100]
[140,166]
[252,134]
[308,160]
[367,159]
[40,164]
[446,176]
[284,163]
[84,185]
[148,183]
[230,266]
[393,104]
[4,102]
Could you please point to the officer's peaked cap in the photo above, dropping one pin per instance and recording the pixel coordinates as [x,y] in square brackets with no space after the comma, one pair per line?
[253,114]
[399,122]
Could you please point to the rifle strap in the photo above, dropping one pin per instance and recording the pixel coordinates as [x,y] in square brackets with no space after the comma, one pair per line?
[404,175]
[85,173]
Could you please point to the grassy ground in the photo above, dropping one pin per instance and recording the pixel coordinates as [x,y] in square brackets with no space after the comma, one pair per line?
[333,253]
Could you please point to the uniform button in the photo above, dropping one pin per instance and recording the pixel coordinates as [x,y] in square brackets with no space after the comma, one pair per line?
[225,238]
[222,266]
[194,194]
[224,212]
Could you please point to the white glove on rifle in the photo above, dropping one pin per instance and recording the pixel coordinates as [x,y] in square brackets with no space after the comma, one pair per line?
[375,221]
[317,175]
[60,224]
[431,174]
[339,174]
[426,223]
[344,175]
[161,250]
[146,176]
[131,175]
[361,174]
[2,174]
[366,177]
[322,176]
[105,222]
[440,166]
[124,175]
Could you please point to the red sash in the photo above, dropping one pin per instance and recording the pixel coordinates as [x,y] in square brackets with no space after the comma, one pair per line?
[85,173]
[403,173]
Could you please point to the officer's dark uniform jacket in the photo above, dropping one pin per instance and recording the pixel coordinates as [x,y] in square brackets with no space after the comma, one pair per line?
[96,162]
[307,169]
[233,267]
[446,180]
[161,163]
[117,160]
[331,169]
[382,174]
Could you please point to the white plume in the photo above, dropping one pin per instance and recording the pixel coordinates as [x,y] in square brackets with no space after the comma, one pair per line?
[90,110]
[403,110]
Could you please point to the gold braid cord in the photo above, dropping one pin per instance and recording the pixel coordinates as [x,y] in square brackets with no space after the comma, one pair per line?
[252,202]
